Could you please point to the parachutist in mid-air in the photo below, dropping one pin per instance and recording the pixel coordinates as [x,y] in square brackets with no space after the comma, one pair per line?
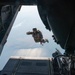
[37,35]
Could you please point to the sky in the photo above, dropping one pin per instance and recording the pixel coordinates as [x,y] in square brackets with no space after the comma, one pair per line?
[22,45]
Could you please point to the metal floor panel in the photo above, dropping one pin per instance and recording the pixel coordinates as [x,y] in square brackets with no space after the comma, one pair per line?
[27,67]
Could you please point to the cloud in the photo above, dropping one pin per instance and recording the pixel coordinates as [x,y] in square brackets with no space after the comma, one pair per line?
[18,25]
[36,52]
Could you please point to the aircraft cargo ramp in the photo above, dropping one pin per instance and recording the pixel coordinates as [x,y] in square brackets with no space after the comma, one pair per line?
[28,66]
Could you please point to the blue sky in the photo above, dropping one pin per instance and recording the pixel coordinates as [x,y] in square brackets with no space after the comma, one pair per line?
[20,44]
